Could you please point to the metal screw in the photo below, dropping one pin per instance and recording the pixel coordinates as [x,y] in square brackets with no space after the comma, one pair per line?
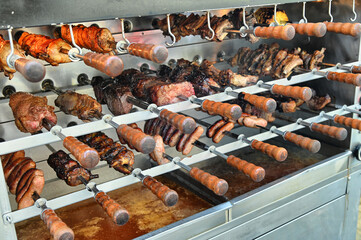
[9,219]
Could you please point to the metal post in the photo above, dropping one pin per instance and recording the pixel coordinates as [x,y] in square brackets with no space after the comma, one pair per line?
[7,228]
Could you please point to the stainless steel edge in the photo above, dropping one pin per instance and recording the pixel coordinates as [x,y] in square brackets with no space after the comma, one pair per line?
[22,13]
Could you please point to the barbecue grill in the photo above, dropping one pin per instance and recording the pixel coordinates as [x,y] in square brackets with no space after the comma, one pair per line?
[311,194]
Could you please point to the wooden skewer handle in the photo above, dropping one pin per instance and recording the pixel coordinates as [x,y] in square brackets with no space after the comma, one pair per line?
[110,65]
[349,122]
[32,70]
[230,111]
[310,29]
[263,103]
[135,138]
[255,172]
[155,53]
[119,215]
[279,32]
[349,78]
[352,29]
[278,153]
[217,185]
[356,69]
[331,131]
[304,142]
[304,93]
[87,157]
[182,123]
[58,229]
[168,196]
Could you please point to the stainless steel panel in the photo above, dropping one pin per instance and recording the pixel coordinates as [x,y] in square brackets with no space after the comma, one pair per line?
[19,13]
[322,223]
[242,228]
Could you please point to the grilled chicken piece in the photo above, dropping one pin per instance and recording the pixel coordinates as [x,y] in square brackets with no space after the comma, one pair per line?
[29,111]
[69,170]
[54,51]
[94,38]
[81,105]
[4,53]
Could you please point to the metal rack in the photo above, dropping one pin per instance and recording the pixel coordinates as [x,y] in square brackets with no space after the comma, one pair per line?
[335,178]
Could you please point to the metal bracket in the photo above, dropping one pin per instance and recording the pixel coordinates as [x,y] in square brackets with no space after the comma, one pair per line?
[56,130]
[107,118]
[72,54]
[152,107]
[40,203]
[121,46]
[357,152]
[211,148]
[176,160]
[7,218]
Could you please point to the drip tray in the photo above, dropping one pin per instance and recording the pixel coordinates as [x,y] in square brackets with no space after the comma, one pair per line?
[147,213]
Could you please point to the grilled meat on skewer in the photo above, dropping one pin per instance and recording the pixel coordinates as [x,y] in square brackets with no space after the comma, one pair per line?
[81,105]
[29,111]
[194,24]
[116,155]
[4,53]
[172,136]
[317,103]
[94,38]
[67,169]
[227,77]
[272,61]
[22,177]
[54,51]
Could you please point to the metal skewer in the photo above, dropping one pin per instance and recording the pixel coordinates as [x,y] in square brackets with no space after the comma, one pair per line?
[231,111]
[349,78]
[119,215]
[304,142]
[331,131]
[58,229]
[351,69]
[168,196]
[217,185]
[278,153]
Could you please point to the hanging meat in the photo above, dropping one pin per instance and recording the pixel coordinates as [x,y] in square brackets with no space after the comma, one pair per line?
[194,24]
[22,177]
[69,170]
[4,53]
[29,111]
[270,60]
[81,105]
[116,155]
[94,38]
[54,51]
[160,91]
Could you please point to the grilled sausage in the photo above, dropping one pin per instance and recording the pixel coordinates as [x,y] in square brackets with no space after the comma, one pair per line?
[215,126]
